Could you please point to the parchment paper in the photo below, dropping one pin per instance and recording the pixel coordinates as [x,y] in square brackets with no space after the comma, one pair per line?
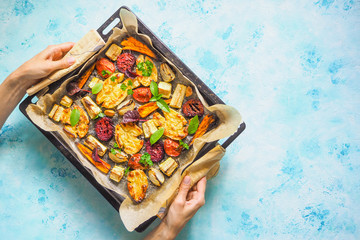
[156,199]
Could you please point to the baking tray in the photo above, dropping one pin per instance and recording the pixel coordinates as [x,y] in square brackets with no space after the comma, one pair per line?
[211,98]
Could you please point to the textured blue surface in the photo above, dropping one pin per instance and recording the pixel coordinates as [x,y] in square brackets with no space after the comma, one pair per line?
[291,68]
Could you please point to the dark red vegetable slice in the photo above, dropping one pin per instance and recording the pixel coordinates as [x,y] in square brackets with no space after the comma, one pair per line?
[131,116]
[125,61]
[156,151]
[192,108]
[104,129]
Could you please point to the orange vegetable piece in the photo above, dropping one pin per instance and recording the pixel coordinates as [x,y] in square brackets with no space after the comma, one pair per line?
[135,45]
[85,76]
[102,166]
[203,127]
[148,108]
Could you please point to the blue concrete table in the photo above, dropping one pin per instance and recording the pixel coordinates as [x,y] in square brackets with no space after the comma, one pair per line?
[291,68]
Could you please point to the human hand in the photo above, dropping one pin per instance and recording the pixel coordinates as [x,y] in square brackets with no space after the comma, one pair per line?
[183,208]
[43,64]
[186,204]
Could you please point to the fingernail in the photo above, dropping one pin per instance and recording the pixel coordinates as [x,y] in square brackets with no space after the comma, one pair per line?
[187,180]
[71,60]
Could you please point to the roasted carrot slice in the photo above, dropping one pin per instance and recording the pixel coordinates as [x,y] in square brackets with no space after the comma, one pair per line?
[148,108]
[85,76]
[135,45]
[99,164]
[203,127]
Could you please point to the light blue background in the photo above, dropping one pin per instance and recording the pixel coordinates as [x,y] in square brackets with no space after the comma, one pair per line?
[290,67]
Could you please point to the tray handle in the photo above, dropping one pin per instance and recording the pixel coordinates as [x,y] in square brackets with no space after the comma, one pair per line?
[108,22]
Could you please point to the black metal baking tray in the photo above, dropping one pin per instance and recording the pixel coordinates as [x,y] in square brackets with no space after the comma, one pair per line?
[211,98]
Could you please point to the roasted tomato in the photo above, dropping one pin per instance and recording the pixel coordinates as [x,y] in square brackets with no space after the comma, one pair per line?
[172,148]
[192,108]
[156,151]
[134,162]
[105,67]
[142,94]
[125,62]
[104,129]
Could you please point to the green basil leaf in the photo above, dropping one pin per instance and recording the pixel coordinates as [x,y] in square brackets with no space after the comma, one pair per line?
[116,145]
[113,78]
[113,151]
[156,136]
[97,88]
[130,83]
[127,170]
[158,97]
[153,99]
[183,144]
[193,125]
[145,160]
[74,117]
[130,92]
[162,105]
[154,88]
[123,87]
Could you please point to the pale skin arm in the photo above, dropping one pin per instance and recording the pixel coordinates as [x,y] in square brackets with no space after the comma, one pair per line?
[185,205]
[12,90]
[14,87]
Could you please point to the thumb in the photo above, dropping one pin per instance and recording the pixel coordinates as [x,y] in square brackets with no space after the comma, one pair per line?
[62,63]
[184,188]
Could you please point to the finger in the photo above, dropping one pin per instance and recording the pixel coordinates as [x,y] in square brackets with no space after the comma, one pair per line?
[64,47]
[62,63]
[184,188]
[201,186]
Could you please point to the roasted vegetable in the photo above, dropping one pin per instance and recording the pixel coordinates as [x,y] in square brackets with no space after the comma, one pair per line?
[58,113]
[165,89]
[204,125]
[113,52]
[126,137]
[137,185]
[146,74]
[172,148]
[109,113]
[188,91]
[178,96]
[166,73]
[105,67]
[156,177]
[53,111]
[142,94]
[117,173]
[85,76]
[135,45]
[91,142]
[156,151]
[113,91]
[134,162]
[125,62]
[173,123]
[98,163]
[66,101]
[168,166]
[148,108]
[94,81]
[149,127]
[92,109]
[104,129]
[131,116]
[127,106]
[193,107]
[118,156]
